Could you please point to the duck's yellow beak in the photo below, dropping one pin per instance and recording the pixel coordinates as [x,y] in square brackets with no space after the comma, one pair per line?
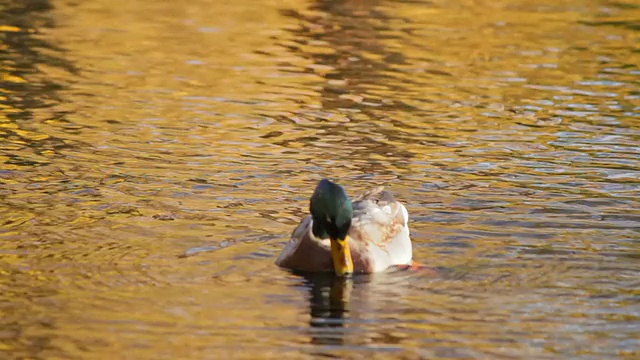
[341,255]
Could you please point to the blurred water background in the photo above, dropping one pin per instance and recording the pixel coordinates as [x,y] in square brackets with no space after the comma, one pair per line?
[155,156]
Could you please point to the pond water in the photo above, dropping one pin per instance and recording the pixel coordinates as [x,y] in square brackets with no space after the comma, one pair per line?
[156,155]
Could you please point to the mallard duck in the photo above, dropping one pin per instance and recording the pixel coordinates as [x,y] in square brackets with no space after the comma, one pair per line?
[367,235]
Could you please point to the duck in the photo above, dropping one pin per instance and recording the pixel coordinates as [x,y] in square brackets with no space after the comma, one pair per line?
[365,235]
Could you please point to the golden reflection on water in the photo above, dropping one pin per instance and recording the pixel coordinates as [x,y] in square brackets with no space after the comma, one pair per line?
[155,157]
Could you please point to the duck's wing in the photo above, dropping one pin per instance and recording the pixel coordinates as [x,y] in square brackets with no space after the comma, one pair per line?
[379,229]
[304,252]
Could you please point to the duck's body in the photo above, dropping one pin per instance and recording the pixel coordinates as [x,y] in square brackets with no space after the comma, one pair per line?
[376,237]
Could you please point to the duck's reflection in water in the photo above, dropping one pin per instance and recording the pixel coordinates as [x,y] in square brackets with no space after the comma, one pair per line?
[360,310]
[328,307]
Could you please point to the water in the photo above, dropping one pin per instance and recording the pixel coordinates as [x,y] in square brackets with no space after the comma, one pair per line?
[156,156]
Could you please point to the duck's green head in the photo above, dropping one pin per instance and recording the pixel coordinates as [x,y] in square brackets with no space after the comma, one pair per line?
[332,212]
